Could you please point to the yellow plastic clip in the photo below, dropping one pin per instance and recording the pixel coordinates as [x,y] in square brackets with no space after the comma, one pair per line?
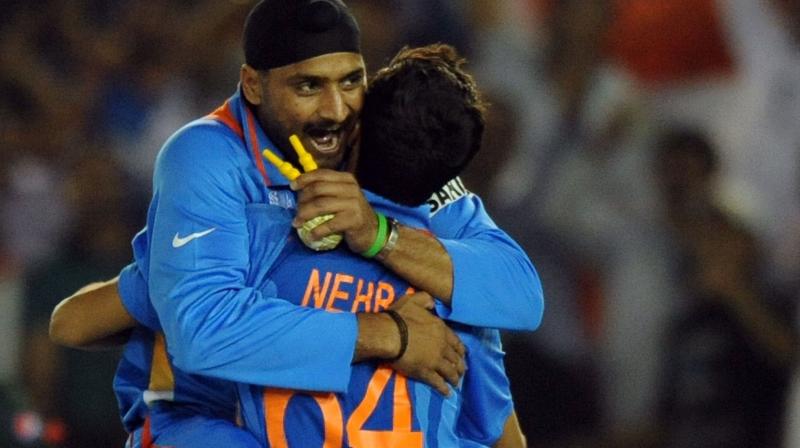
[306,160]
[285,168]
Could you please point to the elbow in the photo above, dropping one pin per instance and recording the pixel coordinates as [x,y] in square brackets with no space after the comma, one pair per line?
[525,298]
[535,317]
[537,306]
[62,332]
[531,294]
[533,309]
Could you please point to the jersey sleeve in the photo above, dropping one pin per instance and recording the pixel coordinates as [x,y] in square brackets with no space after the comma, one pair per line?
[495,284]
[214,323]
[132,288]
[487,402]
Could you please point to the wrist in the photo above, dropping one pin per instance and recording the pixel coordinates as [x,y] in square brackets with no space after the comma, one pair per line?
[402,330]
[391,240]
[378,337]
[380,237]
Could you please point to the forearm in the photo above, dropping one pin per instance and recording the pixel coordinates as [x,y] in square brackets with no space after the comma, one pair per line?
[377,337]
[421,260]
[237,335]
[93,317]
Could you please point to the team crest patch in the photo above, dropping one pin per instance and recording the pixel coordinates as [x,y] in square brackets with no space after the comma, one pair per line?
[282,198]
[451,192]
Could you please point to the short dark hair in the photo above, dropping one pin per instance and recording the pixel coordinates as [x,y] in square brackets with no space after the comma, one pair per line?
[422,123]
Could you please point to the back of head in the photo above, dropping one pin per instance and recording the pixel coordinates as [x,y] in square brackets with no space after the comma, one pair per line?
[422,123]
[282,32]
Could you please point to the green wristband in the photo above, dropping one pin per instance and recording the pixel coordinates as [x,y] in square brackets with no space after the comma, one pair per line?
[380,238]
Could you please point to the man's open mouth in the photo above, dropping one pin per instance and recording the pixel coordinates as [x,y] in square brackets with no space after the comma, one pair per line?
[325,141]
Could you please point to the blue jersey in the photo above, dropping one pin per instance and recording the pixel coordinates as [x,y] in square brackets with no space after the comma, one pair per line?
[212,194]
[380,407]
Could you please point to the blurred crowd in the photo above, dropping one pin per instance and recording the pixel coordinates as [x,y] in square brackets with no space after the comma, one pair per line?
[645,153]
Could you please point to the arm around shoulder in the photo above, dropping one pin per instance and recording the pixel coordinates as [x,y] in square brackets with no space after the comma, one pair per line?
[198,261]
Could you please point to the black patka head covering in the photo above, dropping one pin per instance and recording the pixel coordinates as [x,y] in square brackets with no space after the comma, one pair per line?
[283,32]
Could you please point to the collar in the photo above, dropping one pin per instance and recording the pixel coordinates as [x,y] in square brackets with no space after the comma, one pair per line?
[236,115]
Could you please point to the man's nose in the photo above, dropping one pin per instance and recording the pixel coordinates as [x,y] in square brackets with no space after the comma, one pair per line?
[333,106]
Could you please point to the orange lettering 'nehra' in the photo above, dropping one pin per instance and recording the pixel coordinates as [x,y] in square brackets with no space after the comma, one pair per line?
[336,292]
[313,288]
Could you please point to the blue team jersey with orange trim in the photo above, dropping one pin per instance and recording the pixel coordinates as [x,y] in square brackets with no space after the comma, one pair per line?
[380,407]
[212,194]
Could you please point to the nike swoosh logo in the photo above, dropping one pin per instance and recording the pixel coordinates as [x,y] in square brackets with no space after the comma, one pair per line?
[180,242]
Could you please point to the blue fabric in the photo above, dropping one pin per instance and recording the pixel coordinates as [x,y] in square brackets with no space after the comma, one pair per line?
[496,285]
[174,427]
[216,324]
[132,290]
[133,377]
[215,229]
[339,281]
[487,401]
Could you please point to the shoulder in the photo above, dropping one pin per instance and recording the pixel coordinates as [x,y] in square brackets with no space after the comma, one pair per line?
[200,145]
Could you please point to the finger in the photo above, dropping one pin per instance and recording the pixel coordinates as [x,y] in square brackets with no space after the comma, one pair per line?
[400,302]
[342,222]
[455,343]
[456,361]
[438,383]
[323,206]
[461,367]
[423,299]
[321,175]
[449,373]
[321,189]
[453,357]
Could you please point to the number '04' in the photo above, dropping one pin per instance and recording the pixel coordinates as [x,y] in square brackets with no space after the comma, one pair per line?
[401,436]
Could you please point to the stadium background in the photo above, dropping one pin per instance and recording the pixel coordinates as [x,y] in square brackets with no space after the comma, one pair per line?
[671,288]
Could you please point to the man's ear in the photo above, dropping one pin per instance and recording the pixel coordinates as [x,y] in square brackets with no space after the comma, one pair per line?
[251,84]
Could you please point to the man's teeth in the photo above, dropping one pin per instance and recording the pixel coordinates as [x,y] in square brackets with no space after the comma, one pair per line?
[326,142]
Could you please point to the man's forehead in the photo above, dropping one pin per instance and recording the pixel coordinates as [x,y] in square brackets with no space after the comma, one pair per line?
[330,66]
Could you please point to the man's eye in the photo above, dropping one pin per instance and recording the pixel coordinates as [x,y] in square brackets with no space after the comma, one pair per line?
[352,82]
[306,87]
